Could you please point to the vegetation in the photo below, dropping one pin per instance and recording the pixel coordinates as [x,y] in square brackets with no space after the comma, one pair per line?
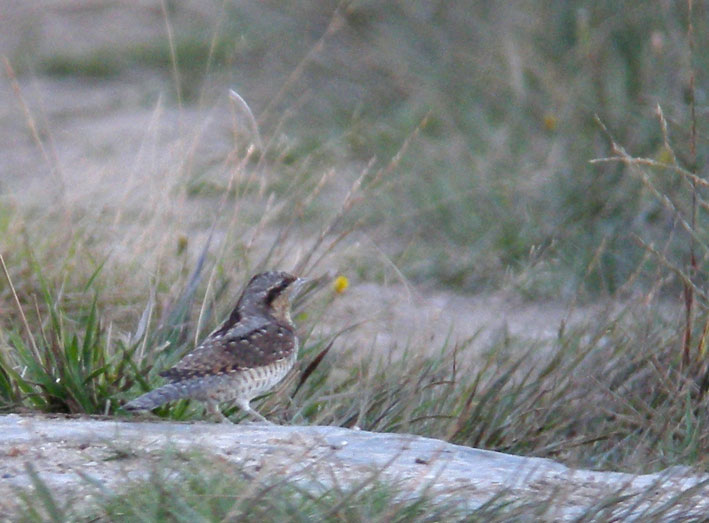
[554,149]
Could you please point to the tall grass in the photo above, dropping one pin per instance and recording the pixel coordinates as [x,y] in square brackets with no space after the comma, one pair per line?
[498,187]
[456,183]
[266,207]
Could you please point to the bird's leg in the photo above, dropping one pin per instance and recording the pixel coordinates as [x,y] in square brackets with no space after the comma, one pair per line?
[213,409]
[244,405]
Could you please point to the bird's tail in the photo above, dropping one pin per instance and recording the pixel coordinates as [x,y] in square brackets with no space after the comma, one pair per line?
[169,392]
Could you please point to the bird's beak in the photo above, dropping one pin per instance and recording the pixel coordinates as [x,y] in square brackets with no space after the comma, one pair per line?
[298,285]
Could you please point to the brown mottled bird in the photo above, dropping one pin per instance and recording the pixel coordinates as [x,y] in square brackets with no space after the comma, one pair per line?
[251,352]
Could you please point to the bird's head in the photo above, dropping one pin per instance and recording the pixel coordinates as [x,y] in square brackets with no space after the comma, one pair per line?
[271,292]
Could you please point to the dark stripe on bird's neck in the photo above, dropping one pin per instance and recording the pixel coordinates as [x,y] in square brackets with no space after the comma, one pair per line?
[276,291]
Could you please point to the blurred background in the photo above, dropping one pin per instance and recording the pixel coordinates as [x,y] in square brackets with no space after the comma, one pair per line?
[483,116]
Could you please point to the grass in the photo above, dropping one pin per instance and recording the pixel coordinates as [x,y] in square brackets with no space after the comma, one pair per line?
[610,394]
[503,159]
[468,161]
[184,487]
[199,492]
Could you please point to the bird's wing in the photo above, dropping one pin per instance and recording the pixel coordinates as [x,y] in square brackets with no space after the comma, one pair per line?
[250,343]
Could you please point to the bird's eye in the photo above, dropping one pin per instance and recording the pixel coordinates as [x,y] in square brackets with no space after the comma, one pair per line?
[275,291]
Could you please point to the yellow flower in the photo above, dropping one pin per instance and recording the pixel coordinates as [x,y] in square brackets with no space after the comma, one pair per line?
[182,242]
[550,122]
[340,284]
[665,155]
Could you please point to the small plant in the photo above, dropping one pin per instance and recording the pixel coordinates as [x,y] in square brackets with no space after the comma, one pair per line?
[72,367]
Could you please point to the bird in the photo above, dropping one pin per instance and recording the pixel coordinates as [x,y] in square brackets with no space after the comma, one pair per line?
[246,356]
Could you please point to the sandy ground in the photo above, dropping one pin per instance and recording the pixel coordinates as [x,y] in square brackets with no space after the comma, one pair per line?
[107,150]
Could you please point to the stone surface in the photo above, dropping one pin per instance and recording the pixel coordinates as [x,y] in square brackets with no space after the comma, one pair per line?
[61,449]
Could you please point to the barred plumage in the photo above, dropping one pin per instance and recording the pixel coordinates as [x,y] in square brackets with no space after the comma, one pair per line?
[251,352]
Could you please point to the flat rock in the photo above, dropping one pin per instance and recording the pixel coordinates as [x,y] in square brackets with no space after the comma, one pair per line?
[62,450]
